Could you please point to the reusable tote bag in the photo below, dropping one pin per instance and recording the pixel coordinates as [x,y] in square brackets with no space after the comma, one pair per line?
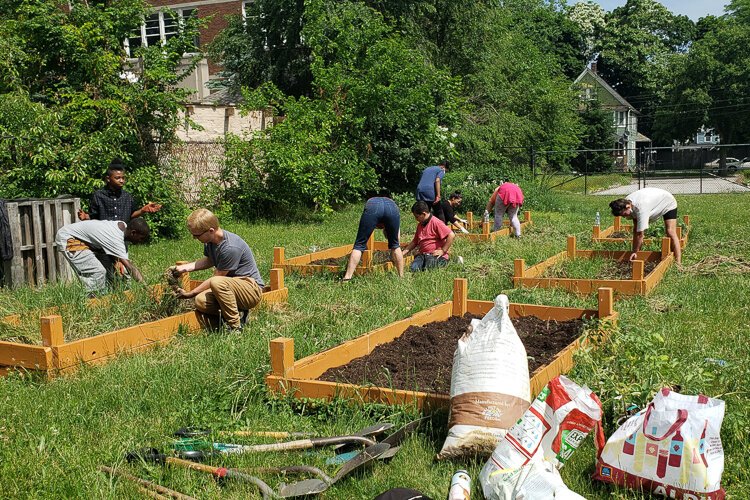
[672,448]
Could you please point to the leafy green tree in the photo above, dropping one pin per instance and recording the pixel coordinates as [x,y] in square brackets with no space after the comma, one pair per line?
[711,86]
[637,48]
[597,139]
[68,106]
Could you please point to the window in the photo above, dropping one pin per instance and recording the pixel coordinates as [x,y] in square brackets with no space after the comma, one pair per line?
[621,118]
[159,27]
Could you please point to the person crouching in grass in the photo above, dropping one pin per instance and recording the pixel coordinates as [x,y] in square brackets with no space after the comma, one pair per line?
[432,240]
[236,284]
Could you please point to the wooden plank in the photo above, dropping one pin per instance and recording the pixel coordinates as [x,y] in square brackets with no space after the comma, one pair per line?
[460,294]
[656,275]
[52,330]
[584,286]
[571,247]
[605,299]
[49,242]
[277,279]
[278,256]
[666,247]
[36,218]
[638,267]
[16,263]
[282,357]
[539,269]
[519,269]
[108,344]
[31,357]
[63,268]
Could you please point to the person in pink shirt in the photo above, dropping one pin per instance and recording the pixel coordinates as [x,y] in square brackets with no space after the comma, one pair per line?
[507,199]
[432,240]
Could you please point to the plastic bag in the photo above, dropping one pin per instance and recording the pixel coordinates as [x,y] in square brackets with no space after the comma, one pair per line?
[489,384]
[525,463]
[672,448]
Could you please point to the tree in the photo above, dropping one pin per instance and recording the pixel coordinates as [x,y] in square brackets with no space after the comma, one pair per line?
[597,138]
[590,19]
[636,51]
[711,86]
[69,108]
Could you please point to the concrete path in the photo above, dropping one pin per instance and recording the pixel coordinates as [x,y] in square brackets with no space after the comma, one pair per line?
[681,186]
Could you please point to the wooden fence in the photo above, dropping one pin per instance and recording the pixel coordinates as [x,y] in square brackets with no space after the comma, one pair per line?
[33,225]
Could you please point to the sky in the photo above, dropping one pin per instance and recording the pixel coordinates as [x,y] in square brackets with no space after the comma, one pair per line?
[694,9]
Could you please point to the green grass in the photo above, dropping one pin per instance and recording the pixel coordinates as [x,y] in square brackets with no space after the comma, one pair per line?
[54,434]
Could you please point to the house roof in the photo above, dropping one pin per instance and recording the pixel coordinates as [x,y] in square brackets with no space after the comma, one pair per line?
[606,87]
[641,138]
[223,97]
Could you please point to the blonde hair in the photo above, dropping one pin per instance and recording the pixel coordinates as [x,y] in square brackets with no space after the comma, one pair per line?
[202,220]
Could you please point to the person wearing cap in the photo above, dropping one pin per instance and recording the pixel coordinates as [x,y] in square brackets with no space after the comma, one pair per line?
[644,206]
[506,199]
[112,202]
[428,189]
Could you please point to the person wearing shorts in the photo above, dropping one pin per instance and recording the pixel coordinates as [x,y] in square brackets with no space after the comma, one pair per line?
[644,206]
[380,212]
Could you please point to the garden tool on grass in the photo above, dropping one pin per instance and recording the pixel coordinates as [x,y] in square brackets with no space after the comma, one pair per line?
[154,455]
[188,444]
[318,485]
[394,440]
[191,432]
[148,488]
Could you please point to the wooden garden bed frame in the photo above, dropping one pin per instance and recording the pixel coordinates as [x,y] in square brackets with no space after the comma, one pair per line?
[56,356]
[640,284]
[299,378]
[603,235]
[302,264]
[487,234]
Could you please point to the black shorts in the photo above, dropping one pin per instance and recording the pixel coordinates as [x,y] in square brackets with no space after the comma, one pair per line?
[672,214]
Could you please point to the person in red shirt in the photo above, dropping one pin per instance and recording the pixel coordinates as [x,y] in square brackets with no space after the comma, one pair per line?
[432,240]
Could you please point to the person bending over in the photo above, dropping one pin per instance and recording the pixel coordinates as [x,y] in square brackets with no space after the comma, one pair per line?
[94,247]
[428,189]
[380,212]
[236,284]
[506,199]
[448,214]
[644,206]
[432,240]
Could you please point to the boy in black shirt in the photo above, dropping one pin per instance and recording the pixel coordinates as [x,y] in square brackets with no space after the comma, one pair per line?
[112,202]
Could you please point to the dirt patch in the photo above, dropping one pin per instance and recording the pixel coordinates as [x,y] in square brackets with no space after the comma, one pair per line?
[621,234]
[599,268]
[378,257]
[422,357]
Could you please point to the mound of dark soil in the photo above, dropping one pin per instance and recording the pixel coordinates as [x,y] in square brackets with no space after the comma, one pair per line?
[422,357]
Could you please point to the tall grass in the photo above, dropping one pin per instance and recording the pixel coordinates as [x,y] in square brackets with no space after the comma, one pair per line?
[54,434]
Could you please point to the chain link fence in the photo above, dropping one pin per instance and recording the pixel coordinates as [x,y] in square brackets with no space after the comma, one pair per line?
[678,169]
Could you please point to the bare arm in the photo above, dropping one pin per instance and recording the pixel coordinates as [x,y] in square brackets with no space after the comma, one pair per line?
[437,190]
[183,294]
[148,208]
[198,265]
[134,272]
[408,248]
[637,243]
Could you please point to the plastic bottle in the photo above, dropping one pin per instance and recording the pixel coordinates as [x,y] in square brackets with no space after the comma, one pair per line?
[598,219]
[486,216]
[460,486]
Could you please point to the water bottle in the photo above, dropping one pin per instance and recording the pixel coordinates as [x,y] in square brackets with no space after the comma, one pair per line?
[486,216]
[598,220]
[460,486]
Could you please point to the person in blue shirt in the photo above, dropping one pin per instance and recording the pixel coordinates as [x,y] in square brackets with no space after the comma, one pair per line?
[428,189]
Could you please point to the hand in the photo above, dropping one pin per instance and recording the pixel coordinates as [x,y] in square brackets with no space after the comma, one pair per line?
[181,269]
[119,268]
[438,253]
[633,256]
[83,215]
[437,200]
[151,207]
[182,294]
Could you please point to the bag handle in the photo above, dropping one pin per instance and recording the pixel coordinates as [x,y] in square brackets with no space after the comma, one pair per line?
[681,419]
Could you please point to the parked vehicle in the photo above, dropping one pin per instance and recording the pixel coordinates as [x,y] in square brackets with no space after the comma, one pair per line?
[733,164]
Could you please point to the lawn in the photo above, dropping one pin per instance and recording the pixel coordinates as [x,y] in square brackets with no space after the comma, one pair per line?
[54,434]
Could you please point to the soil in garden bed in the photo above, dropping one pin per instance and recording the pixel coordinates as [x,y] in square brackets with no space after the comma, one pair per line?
[596,268]
[422,357]
[378,257]
[621,234]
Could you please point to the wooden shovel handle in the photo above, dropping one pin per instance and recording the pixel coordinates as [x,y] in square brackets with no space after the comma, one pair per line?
[304,444]
[192,465]
[145,484]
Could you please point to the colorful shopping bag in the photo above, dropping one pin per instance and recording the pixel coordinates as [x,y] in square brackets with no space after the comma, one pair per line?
[672,448]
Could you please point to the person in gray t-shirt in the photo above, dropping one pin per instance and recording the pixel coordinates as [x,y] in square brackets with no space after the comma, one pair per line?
[236,284]
[94,247]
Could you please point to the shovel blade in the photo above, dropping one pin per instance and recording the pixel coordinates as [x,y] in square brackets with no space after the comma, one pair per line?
[371,431]
[398,437]
[303,488]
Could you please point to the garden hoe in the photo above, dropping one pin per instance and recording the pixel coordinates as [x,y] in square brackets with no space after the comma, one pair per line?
[154,455]
[308,487]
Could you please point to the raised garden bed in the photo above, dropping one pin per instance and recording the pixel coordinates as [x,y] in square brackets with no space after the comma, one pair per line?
[303,378]
[640,282]
[482,231]
[623,233]
[56,356]
[334,260]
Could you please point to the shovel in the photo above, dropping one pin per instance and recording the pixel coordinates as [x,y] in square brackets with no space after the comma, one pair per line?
[394,440]
[316,486]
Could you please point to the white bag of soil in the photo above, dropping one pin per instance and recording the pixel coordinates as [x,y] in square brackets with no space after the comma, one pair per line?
[489,384]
